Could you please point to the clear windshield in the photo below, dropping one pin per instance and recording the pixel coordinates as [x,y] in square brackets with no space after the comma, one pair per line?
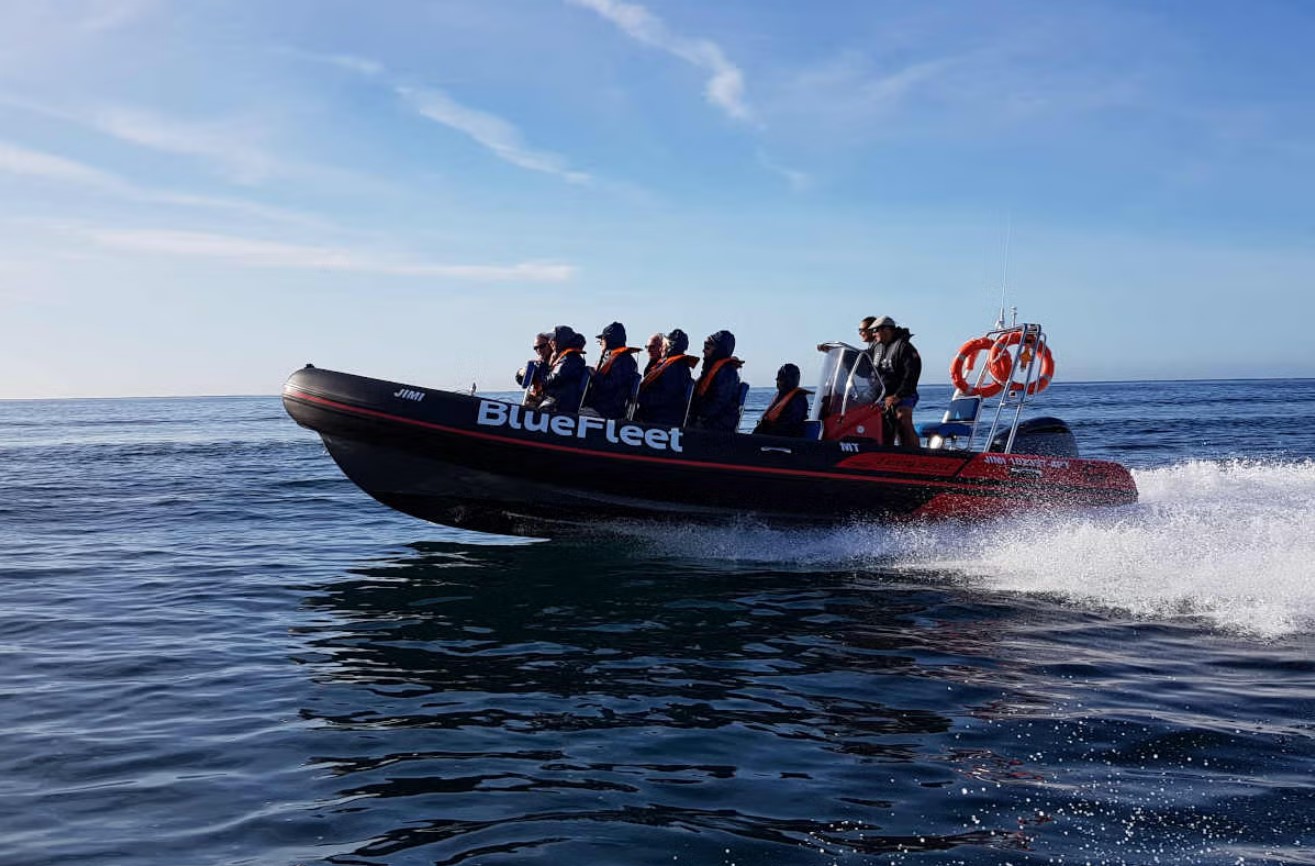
[847,380]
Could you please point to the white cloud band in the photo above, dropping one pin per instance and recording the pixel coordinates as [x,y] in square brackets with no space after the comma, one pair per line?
[259,253]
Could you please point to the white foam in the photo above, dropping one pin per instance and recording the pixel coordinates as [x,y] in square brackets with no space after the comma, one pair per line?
[1229,542]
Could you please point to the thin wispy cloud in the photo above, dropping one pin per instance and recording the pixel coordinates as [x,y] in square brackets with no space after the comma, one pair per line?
[110,14]
[24,162]
[223,143]
[901,84]
[261,253]
[349,62]
[725,87]
[493,132]
[21,161]
[799,181]
[987,83]
[228,144]
[850,87]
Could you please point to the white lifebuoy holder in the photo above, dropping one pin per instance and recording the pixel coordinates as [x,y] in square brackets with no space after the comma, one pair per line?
[1000,363]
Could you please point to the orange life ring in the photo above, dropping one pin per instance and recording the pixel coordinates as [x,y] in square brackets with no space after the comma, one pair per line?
[963,364]
[1001,363]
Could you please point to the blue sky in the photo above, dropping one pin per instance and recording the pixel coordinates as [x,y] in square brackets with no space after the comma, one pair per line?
[197,198]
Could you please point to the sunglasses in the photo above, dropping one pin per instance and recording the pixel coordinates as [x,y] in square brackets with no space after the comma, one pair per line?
[539,347]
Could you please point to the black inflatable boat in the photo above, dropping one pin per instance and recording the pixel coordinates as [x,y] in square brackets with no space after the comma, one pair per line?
[492,465]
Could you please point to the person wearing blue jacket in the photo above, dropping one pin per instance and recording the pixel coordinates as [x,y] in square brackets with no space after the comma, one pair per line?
[564,385]
[613,379]
[662,393]
[716,403]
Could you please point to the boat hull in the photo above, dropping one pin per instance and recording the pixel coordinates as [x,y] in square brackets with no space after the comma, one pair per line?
[488,465]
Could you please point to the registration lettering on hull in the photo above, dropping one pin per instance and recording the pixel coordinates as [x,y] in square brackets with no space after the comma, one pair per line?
[495,414]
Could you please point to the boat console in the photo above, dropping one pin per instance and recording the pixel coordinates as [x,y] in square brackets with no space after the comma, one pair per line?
[848,394]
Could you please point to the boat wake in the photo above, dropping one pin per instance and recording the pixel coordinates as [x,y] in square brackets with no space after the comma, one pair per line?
[1228,542]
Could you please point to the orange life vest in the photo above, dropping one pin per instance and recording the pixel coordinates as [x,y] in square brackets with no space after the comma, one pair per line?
[705,381]
[774,411]
[563,353]
[662,368]
[612,356]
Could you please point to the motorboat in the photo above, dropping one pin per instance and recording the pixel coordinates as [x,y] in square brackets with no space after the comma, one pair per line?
[485,463]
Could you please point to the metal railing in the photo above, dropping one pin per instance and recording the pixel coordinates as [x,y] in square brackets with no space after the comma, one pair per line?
[1025,362]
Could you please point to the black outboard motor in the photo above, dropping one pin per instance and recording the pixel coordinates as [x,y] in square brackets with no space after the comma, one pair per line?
[1045,437]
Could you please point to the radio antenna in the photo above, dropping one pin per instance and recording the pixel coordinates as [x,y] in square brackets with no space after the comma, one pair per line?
[1004,271]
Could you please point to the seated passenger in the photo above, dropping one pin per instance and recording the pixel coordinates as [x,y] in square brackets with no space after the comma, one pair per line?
[789,409]
[663,392]
[534,387]
[716,403]
[654,348]
[609,389]
[564,384]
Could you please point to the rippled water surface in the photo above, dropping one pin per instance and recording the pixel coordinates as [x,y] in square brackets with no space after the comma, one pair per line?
[215,650]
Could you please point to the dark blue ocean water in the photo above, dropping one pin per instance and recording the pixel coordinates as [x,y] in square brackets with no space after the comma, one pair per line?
[215,650]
